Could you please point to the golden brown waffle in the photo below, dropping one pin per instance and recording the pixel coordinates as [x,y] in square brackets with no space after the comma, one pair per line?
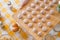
[38,17]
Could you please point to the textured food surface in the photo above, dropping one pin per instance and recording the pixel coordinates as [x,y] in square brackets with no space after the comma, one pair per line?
[38,17]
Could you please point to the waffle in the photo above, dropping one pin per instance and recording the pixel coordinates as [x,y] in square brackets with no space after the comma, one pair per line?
[38,17]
